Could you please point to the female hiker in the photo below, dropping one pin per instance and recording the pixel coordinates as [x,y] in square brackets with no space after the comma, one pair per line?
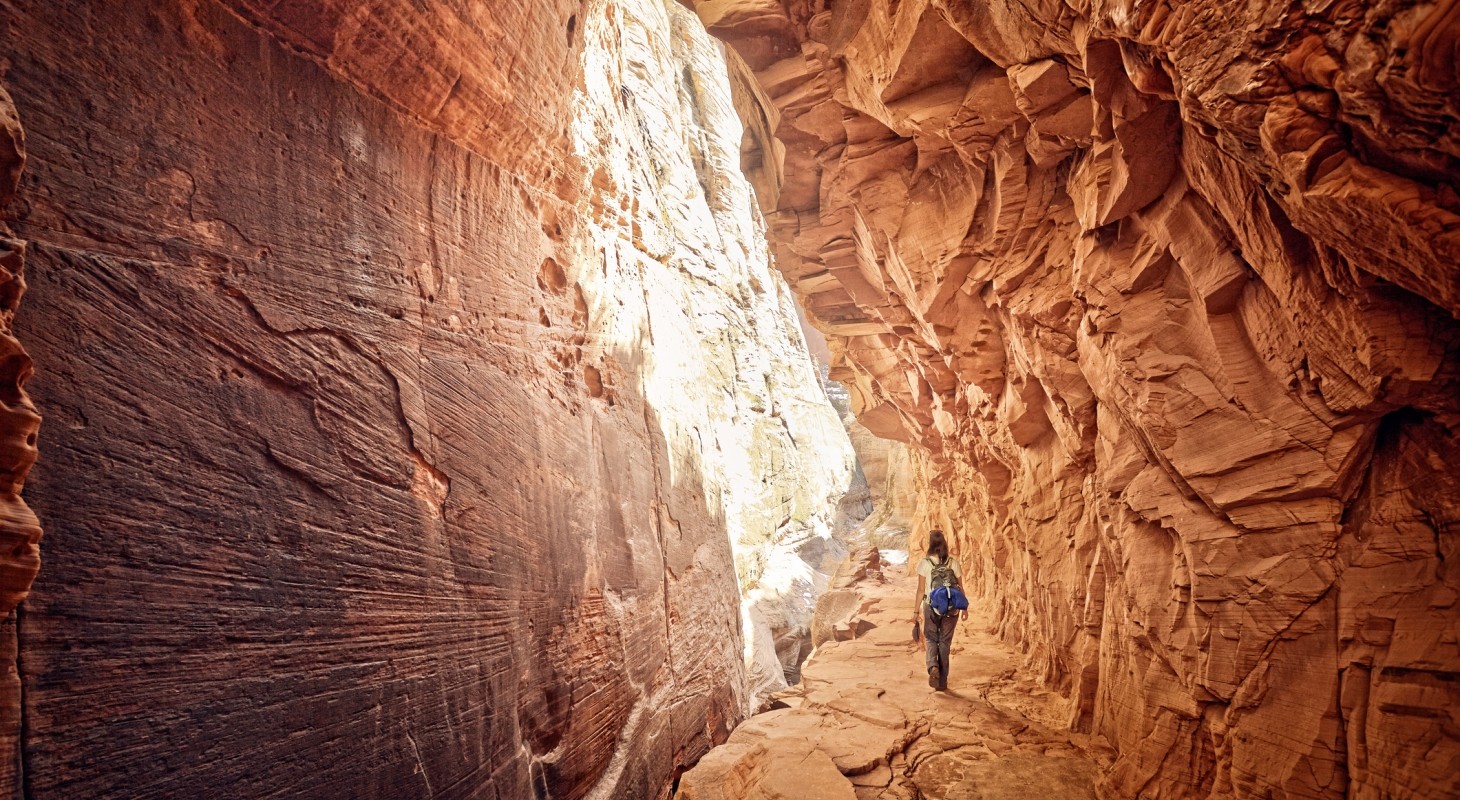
[937,570]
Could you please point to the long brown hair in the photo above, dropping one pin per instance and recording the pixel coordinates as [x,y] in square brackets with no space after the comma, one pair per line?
[937,545]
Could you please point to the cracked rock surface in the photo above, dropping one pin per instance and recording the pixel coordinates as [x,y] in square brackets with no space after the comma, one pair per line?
[864,725]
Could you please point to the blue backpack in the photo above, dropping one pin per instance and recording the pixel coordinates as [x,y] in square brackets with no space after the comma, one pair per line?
[945,592]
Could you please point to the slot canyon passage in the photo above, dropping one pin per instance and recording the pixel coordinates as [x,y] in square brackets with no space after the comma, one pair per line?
[428,409]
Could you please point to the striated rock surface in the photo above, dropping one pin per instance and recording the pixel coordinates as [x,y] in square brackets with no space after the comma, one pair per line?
[1163,297]
[415,378]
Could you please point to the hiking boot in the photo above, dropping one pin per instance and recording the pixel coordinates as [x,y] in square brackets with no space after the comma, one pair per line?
[935,678]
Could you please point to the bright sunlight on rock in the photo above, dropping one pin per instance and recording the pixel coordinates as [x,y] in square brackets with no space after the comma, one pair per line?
[421,404]
[555,399]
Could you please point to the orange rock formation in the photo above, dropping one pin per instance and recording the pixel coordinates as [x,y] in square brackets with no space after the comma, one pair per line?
[415,381]
[19,529]
[410,412]
[1165,296]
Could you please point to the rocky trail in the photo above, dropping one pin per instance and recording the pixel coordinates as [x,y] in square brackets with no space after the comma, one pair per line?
[863,723]
[470,399]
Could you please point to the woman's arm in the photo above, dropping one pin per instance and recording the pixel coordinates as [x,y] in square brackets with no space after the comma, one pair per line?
[918,601]
[958,576]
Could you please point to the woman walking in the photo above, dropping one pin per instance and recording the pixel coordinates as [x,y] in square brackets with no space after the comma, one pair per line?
[935,571]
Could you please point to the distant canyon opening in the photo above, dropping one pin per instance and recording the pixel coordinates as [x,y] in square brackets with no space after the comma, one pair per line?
[502,400]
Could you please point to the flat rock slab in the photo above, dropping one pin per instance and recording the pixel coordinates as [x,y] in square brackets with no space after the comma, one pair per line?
[952,776]
[759,772]
[853,745]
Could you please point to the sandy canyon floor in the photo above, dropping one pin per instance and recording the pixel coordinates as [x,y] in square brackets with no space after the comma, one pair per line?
[864,724]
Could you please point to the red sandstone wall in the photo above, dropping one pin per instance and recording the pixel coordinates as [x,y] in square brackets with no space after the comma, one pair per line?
[1165,293]
[19,529]
[336,504]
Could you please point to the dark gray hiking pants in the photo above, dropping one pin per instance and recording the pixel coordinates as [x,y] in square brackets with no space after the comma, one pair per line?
[938,634]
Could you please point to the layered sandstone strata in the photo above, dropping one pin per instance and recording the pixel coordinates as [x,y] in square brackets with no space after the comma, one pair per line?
[414,377]
[1164,295]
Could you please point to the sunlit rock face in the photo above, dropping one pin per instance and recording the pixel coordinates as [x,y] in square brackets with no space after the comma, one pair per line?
[1164,296]
[414,379]
[729,370]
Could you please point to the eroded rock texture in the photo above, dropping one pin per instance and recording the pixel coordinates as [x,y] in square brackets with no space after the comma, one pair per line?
[864,724]
[19,529]
[1165,295]
[415,378]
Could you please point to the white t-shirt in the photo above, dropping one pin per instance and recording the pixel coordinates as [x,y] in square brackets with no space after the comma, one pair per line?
[925,569]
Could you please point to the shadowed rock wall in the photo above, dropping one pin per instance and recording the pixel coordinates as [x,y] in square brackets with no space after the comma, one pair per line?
[19,529]
[1164,295]
[413,378]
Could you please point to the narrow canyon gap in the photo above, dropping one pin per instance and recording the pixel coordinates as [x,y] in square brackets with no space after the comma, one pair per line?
[417,387]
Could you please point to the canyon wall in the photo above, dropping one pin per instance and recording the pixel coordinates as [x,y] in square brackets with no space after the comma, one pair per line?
[19,529]
[413,378]
[1163,297]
